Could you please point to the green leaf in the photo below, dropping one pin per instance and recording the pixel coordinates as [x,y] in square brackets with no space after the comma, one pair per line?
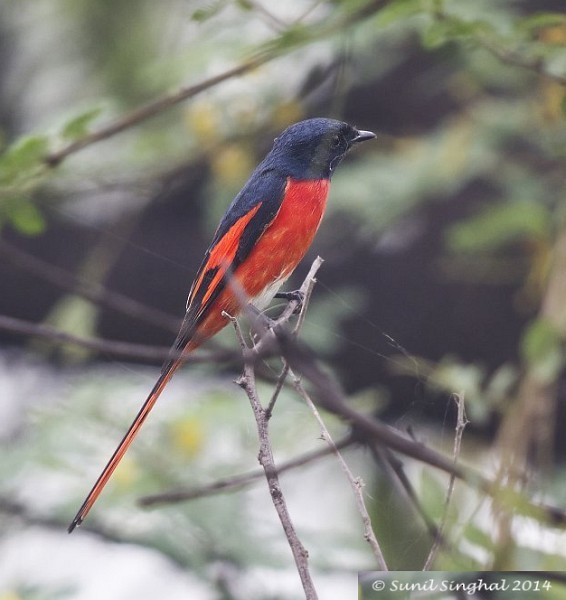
[79,125]
[25,217]
[397,11]
[479,537]
[77,316]
[294,36]
[244,5]
[207,12]
[23,156]
[435,36]
[450,29]
[541,348]
[432,495]
[541,20]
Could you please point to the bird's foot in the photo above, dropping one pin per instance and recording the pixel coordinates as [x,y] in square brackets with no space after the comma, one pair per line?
[295,296]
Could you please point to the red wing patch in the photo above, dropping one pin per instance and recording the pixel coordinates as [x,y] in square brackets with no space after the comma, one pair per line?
[219,259]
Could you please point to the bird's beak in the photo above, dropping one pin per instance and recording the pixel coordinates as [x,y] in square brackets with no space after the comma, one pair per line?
[363,136]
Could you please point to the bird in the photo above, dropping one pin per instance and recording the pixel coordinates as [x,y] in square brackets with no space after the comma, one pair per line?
[262,237]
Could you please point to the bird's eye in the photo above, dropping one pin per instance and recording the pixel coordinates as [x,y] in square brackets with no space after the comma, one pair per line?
[335,141]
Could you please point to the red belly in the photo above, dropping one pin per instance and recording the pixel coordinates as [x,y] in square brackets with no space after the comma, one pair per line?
[278,251]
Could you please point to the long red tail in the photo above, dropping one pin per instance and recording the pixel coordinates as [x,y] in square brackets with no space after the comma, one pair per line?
[125,443]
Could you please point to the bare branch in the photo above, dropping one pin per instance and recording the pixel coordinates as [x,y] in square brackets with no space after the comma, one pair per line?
[247,382]
[150,110]
[276,340]
[461,423]
[19,511]
[109,347]
[265,457]
[328,396]
[155,107]
[271,19]
[238,482]
[355,482]
[94,293]
[513,57]
[278,387]
[306,290]
[394,468]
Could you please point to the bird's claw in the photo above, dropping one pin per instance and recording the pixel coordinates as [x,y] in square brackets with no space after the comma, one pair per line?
[295,296]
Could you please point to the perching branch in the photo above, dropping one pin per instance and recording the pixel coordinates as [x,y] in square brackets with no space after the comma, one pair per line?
[308,288]
[356,483]
[275,340]
[261,326]
[265,457]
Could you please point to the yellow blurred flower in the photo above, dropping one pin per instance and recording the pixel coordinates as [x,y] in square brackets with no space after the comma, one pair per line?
[286,113]
[187,436]
[554,35]
[552,97]
[127,473]
[203,121]
[232,164]
[10,595]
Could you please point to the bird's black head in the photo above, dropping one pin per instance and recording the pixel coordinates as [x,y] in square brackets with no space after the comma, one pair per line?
[312,149]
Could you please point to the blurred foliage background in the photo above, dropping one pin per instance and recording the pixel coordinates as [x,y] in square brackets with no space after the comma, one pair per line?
[445,250]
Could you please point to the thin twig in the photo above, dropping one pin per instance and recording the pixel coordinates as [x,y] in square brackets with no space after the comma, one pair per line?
[108,347]
[262,328]
[151,109]
[96,294]
[17,511]
[273,20]
[507,55]
[307,11]
[329,396]
[266,53]
[265,345]
[237,482]
[513,57]
[461,423]
[265,457]
[307,290]
[308,286]
[393,467]
[355,482]
[281,379]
